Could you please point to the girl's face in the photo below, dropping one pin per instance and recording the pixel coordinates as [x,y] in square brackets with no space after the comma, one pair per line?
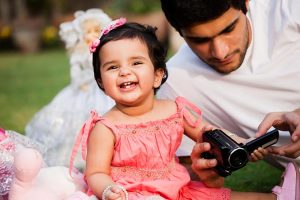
[127,71]
[91,29]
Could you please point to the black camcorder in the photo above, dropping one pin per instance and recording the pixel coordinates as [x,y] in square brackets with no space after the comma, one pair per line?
[230,155]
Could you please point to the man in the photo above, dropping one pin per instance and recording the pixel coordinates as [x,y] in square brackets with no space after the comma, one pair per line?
[240,62]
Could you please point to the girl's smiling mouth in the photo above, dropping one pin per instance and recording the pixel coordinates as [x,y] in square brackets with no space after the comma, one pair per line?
[128,85]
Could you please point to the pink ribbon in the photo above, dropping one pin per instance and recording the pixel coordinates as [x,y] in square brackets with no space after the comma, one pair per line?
[81,139]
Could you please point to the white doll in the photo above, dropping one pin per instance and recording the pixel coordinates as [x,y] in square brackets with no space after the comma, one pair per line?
[57,124]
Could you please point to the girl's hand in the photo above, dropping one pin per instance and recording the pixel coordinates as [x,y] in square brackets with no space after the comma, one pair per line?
[258,154]
[114,193]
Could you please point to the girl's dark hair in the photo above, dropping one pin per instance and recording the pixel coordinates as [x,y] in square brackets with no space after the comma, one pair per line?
[146,34]
[185,13]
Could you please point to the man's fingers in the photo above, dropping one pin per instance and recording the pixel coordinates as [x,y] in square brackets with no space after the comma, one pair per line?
[198,149]
[269,120]
[290,150]
[204,167]
[202,164]
[208,176]
[296,134]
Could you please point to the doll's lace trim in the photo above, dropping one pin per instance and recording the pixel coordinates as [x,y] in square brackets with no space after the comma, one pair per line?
[6,171]
[25,141]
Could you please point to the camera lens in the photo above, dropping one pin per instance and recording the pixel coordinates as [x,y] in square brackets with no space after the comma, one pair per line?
[238,158]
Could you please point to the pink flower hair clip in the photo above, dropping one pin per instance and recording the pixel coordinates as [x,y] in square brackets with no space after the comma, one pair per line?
[112,25]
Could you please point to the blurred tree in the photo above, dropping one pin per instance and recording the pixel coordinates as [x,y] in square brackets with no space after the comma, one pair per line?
[27,18]
[37,7]
[5,14]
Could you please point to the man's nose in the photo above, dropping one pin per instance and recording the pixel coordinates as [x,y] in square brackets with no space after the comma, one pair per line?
[219,48]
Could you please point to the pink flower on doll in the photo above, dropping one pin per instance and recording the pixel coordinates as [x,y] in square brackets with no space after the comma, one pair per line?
[114,24]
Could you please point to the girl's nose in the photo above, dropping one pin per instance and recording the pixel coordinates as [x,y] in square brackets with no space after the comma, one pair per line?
[124,71]
[219,48]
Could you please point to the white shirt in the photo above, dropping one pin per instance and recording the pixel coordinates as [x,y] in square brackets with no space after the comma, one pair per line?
[267,81]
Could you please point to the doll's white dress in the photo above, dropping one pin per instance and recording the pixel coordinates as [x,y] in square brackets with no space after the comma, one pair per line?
[56,125]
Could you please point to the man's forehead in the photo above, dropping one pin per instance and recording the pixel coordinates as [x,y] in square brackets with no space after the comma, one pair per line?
[212,27]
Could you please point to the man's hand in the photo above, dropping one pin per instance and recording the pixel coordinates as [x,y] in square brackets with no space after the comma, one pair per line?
[291,150]
[285,121]
[203,167]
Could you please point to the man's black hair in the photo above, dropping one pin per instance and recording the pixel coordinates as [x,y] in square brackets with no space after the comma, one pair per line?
[185,13]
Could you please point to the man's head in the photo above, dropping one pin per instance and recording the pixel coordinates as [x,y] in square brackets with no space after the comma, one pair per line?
[216,30]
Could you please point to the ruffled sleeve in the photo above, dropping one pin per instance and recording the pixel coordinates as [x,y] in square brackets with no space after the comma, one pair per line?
[190,112]
[82,137]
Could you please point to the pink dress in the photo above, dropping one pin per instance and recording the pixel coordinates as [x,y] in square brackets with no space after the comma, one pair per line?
[144,160]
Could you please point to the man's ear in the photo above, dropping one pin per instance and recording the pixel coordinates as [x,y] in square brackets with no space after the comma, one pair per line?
[158,76]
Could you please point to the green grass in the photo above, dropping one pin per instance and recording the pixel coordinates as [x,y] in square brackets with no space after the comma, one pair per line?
[28,82]
[255,177]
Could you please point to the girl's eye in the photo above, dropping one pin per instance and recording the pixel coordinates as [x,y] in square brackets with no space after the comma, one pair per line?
[137,63]
[112,67]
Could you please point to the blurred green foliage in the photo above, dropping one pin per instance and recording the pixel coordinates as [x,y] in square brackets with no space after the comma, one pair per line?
[134,6]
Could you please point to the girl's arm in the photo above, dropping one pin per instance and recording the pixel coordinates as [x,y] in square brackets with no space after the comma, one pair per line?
[195,133]
[99,156]
[202,167]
